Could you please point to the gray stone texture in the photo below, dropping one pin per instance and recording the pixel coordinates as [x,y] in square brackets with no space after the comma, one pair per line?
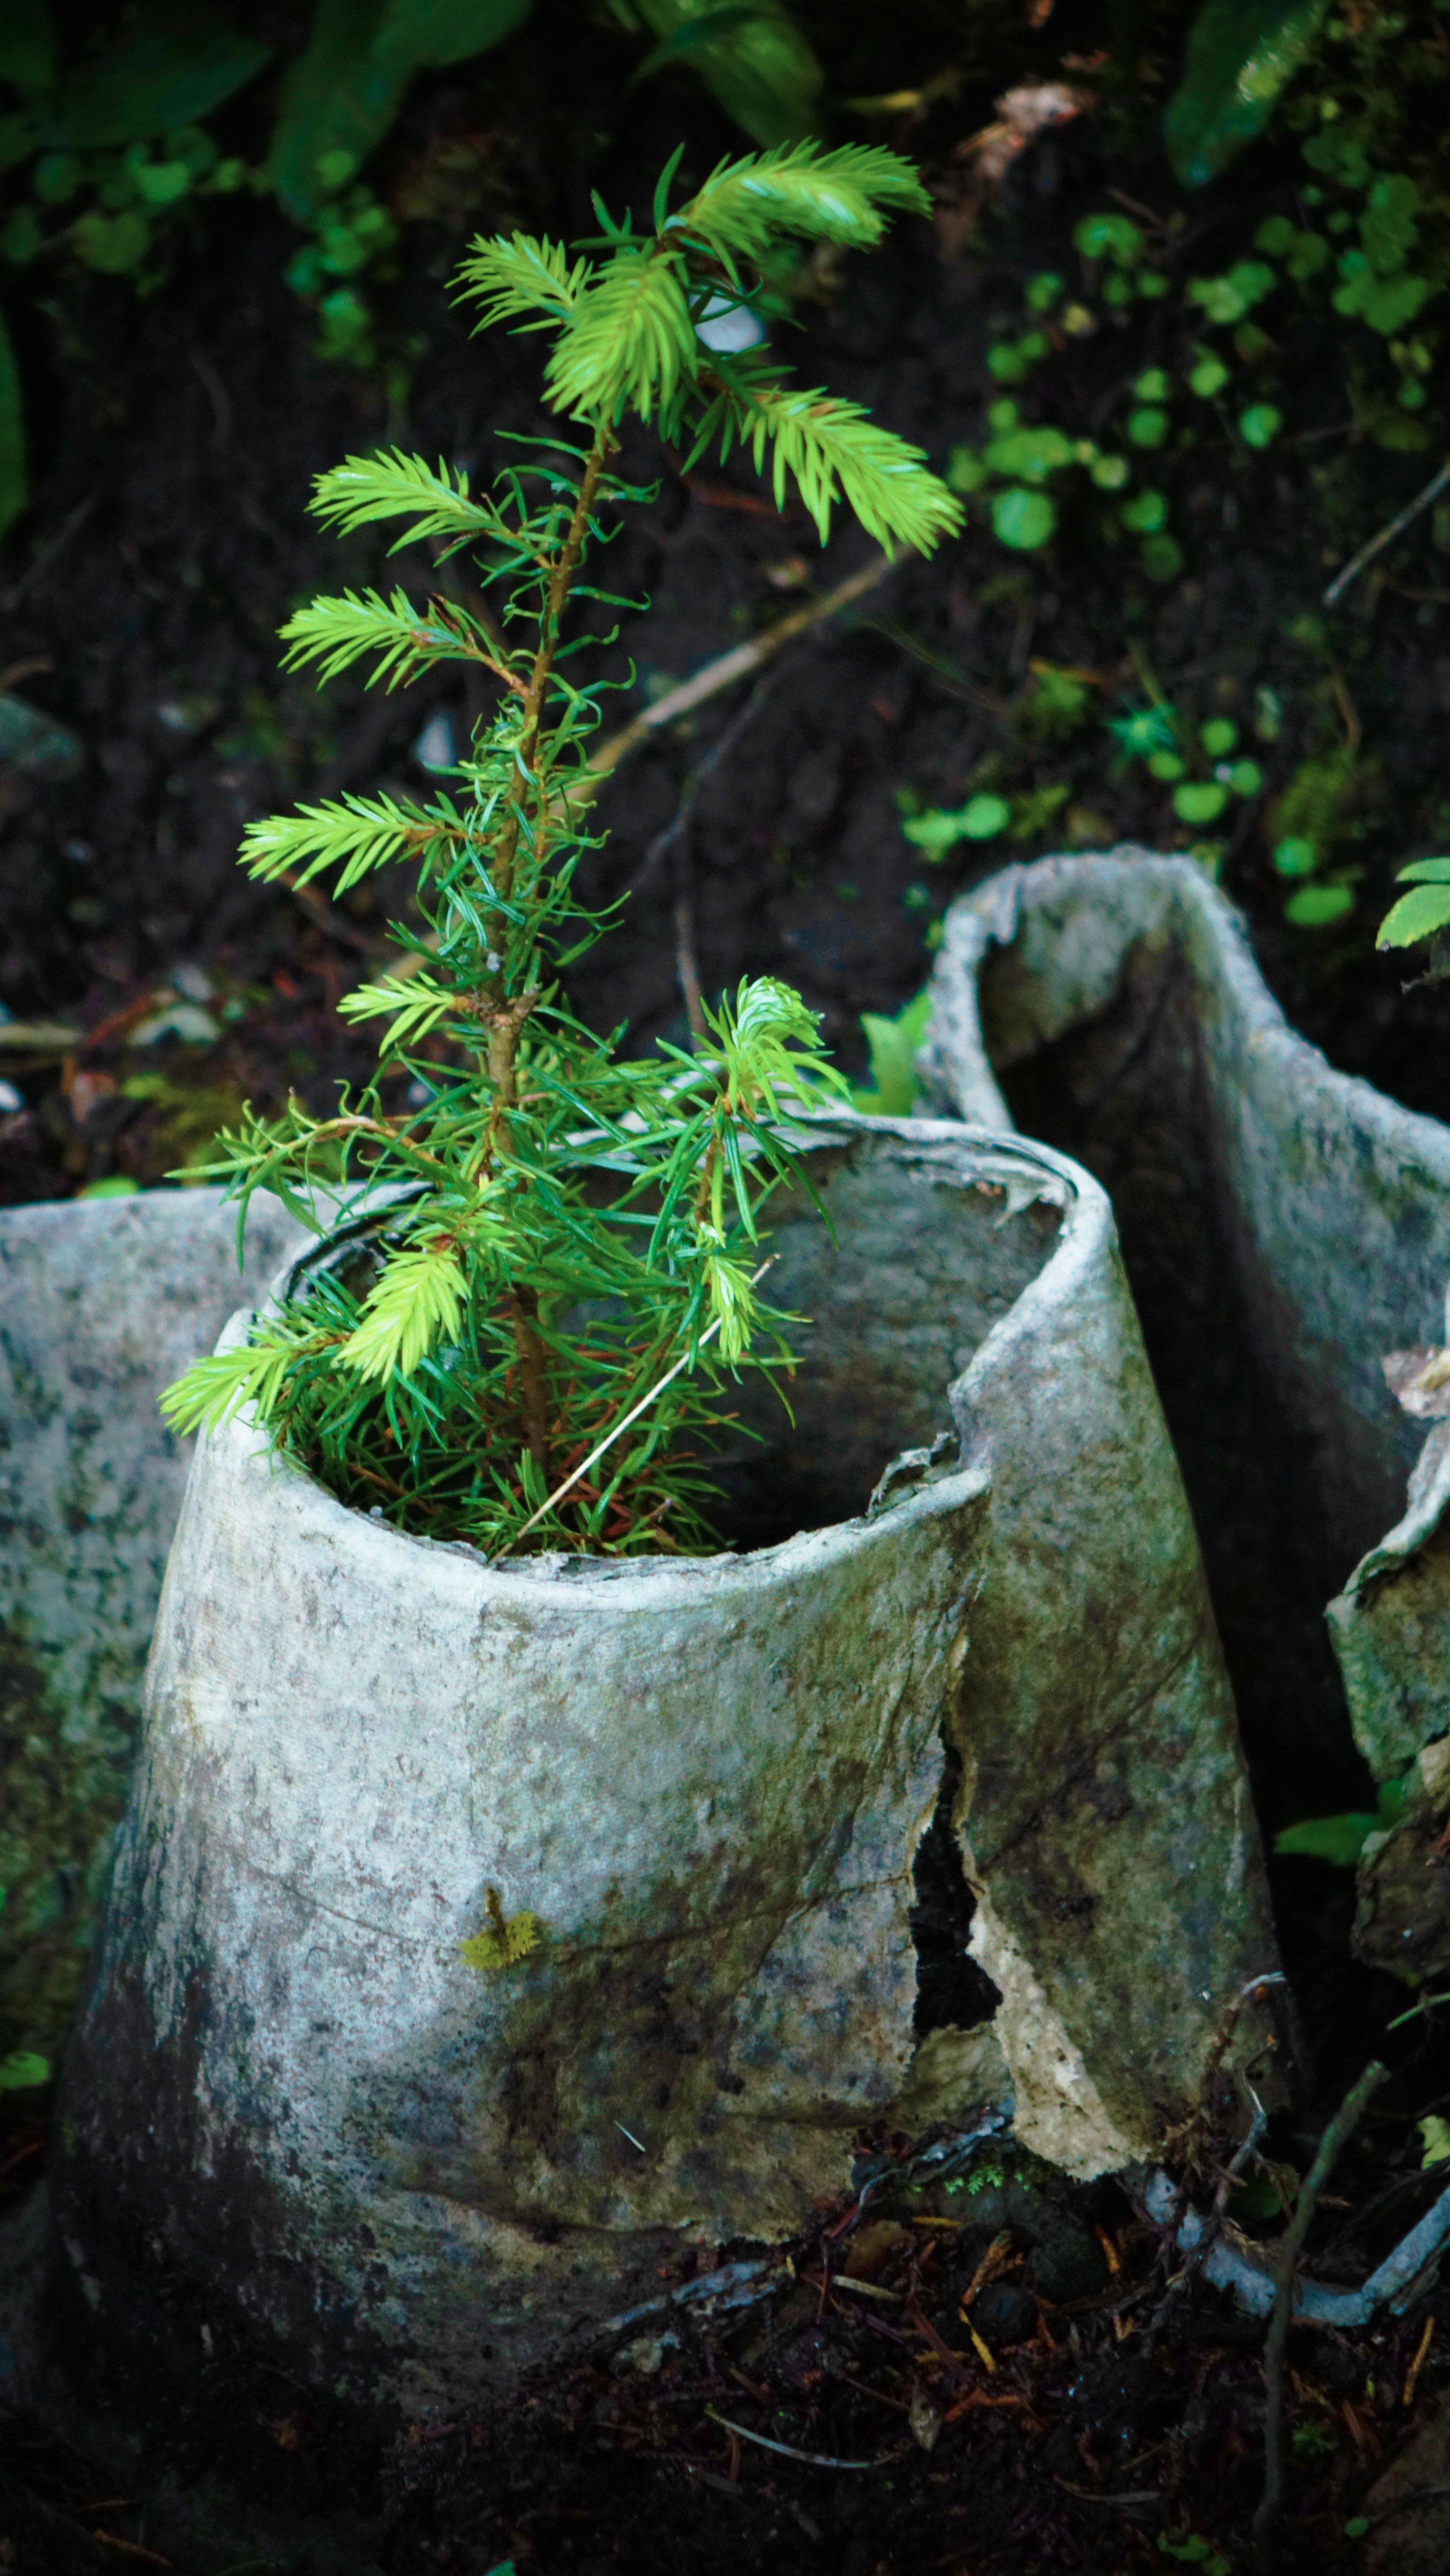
[1332,1204]
[102,1304]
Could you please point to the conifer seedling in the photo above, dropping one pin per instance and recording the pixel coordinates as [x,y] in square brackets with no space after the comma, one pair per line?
[568,1237]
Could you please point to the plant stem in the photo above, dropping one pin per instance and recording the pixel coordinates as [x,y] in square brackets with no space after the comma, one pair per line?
[506,1019]
[1291,2245]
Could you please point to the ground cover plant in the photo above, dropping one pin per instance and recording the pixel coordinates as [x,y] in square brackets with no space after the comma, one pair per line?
[577,1227]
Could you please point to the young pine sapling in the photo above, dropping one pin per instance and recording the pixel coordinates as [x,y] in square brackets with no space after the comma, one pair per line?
[568,1238]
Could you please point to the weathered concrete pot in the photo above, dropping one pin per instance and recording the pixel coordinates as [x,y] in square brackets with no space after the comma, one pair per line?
[102,1304]
[291,2104]
[1301,1222]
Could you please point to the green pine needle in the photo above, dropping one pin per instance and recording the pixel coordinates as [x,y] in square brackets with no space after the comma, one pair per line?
[628,342]
[832,449]
[365,489]
[355,836]
[416,1303]
[546,1236]
[837,196]
[517,279]
[335,633]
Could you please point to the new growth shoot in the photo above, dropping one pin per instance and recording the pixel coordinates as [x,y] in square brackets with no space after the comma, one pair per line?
[563,1227]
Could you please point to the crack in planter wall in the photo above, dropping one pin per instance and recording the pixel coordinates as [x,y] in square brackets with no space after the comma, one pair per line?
[292,2107]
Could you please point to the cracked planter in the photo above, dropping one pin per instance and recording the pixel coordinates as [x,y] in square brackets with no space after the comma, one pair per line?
[1303,1221]
[293,2111]
[102,1303]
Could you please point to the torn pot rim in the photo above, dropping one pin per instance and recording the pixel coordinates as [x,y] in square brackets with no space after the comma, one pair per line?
[1027,1172]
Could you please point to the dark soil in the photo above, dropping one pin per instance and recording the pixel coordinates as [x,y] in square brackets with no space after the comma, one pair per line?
[179,438]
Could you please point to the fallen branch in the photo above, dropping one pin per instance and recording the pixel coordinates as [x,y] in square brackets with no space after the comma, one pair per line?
[788,2451]
[1252,2284]
[1387,536]
[1341,2128]
[738,664]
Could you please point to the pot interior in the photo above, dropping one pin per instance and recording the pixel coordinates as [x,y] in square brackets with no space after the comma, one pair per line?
[933,1246]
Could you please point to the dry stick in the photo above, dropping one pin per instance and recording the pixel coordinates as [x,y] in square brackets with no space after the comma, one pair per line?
[1340,2129]
[1387,536]
[788,2451]
[676,838]
[620,1428]
[686,964]
[729,667]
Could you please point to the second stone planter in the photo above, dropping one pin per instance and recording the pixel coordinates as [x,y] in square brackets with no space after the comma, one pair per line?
[972,1707]
[1288,1231]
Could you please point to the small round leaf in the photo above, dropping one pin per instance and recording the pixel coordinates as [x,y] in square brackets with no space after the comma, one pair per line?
[1260,425]
[1199,800]
[983,817]
[1022,519]
[1314,907]
[1147,427]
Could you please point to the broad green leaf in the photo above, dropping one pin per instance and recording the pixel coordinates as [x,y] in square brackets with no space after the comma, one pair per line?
[1417,915]
[1339,1839]
[22,2071]
[177,61]
[893,1044]
[14,480]
[1425,872]
[1435,2134]
[339,99]
[692,33]
[761,69]
[443,31]
[1239,58]
[27,44]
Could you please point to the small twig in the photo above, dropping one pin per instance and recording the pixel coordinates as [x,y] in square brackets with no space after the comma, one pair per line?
[938,2344]
[1426,2004]
[1199,2253]
[788,2451]
[1336,2136]
[42,561]
[1387,536]
[730,667]
[675,838]
[686,964]
[1417,2363]
[664,842]
[24,670]
[620,1428]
